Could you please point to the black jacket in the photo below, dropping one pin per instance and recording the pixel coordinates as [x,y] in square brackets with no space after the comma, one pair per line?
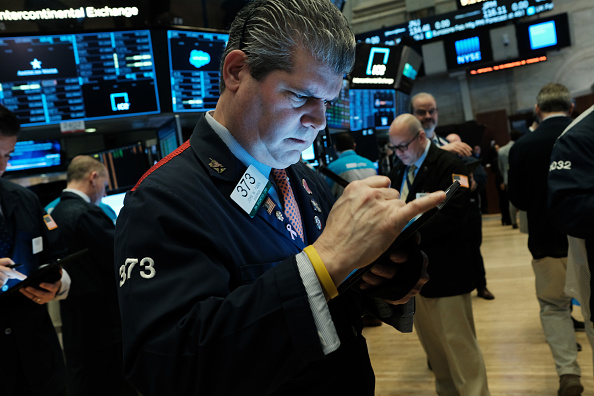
[31,354]
[445,237]
[529,161]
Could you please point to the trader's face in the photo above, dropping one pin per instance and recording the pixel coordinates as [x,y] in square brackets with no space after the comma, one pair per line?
[408,147]
[283,113]
[7,144]
[425,109]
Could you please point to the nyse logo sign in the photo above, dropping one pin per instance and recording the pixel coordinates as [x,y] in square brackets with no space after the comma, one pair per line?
[468,50]
[377,69]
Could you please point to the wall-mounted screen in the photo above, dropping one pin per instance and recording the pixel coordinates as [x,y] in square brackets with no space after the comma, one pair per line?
[372,108]
[31,155]
[47,79]
[170,136]
[543,35]
[376,66]
[194,58]
[125,166]
[338,114]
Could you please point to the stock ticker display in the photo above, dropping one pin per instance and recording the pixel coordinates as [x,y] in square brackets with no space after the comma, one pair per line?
[471,17]
[47,79]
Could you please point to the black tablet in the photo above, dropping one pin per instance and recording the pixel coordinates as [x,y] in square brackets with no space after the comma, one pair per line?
[46,273]
[409,229]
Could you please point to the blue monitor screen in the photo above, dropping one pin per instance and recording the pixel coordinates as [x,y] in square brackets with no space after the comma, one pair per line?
[337,113]
[169,136]
[31,154]
[194,68]
[115,201]
[542,35]
[372,108]
[53,78]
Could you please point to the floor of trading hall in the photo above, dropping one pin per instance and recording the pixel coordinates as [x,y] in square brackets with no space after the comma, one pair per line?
[517,357]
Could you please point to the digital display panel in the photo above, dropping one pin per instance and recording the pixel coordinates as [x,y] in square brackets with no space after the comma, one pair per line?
[84,76]
[125,166]
[338,115]
[38,154]
[473,16]
[115,201]
[372,108]
[170,136]
[546,34]
[542,35]
[375,66]
[194,59]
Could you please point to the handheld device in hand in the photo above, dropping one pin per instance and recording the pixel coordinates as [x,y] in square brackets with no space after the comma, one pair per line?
[408,275]
[48,273]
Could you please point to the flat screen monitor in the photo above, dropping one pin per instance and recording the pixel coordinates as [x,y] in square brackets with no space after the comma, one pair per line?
[372,108]
[545,34]
[169,136]
[338,114]
[115,201]
[48,79]
[194,58]
[376,66]
[32,155]
[125,166]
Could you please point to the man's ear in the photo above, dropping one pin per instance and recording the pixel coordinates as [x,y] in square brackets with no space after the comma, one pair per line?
[233,65]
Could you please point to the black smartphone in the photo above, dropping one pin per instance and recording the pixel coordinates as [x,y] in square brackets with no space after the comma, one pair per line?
[48,273]
[410,274]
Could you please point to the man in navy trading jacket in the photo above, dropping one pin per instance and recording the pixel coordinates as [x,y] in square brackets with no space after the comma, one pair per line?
[31,362]
[224,293]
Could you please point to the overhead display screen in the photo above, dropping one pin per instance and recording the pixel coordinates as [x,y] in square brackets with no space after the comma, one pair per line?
[47,79]
[194,68]
[470,17]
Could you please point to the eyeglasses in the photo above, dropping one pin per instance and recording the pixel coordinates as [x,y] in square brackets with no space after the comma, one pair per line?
[403,147]
[421,112]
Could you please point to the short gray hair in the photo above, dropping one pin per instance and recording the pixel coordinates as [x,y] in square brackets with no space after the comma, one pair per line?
[270,32]
[554,97]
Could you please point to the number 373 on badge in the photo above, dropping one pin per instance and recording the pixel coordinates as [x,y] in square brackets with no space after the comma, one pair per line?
[250,191]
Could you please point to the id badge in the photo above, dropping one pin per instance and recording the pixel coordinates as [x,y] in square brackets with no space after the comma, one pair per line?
[251,191]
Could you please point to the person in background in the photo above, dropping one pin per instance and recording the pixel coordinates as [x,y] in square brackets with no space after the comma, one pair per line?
[32,362]
[349,165]
[424,108]
[217,270]
[91,327]
[529,163]
[503,162]
[571,204]
[444,319]
[478,183]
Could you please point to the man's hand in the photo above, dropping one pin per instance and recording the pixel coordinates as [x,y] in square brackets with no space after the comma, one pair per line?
[460,148]
[8,273]
[45,293]
[364,222]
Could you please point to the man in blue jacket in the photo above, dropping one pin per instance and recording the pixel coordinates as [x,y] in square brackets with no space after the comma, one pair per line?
[227,287]
[31,362]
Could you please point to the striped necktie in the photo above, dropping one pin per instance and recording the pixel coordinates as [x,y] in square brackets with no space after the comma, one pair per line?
[410,176]
[290,204]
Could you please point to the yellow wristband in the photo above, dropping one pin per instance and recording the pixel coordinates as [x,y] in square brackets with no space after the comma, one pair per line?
[321,272]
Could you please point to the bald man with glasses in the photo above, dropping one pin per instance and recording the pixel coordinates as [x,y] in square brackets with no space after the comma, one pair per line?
[443,318]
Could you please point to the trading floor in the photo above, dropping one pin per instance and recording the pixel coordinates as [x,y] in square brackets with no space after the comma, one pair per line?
[517,358]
